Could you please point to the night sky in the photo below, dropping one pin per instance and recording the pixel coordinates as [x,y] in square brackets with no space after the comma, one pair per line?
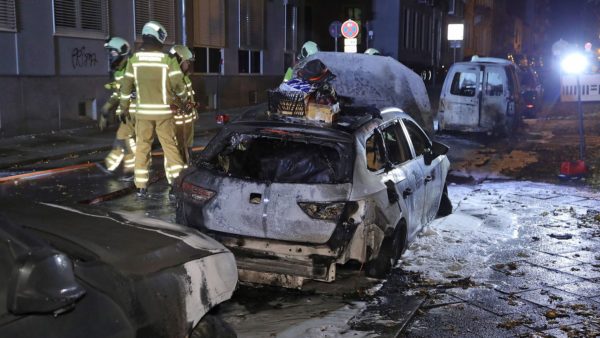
[574,21]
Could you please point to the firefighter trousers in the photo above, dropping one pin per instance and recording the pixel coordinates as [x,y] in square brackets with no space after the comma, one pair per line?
[185,139]
[123,150]
[165,130]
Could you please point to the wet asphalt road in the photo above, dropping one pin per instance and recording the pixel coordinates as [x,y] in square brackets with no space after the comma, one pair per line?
[502,265]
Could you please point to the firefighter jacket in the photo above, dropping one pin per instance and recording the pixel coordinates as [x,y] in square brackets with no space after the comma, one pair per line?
[187,115]
[157,79]
[115,87]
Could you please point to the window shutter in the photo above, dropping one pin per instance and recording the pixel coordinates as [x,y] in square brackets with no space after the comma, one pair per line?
[75,16]
[65,13]
[252,24]
[94,14]
[142,15]
[8,15]
[209,23]
[162,11]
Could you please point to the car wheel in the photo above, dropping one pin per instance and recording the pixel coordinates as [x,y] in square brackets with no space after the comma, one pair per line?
[213,326]
[445,207]
[389,254]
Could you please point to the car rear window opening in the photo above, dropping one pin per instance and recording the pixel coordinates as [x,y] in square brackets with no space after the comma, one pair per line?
[279,160]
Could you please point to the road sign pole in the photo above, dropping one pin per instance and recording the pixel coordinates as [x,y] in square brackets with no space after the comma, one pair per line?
[336,44]
[580,113]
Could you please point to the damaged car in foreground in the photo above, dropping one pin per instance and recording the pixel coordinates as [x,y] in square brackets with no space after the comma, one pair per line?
[77,272]
[293,200]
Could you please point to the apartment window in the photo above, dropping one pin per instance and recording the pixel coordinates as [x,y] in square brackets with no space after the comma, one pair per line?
[252,21]
[416,39]
[208,60]
[249,61]
[8,16]
[407,28]
[162,11]
[81,17]
[209,23]
[291,33]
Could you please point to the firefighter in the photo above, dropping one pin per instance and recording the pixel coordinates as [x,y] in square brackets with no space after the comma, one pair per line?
[184,120]
[124,145]
[308,48]
[159,82]
[372,51]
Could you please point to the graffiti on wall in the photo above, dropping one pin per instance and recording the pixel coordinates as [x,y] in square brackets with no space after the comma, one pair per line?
[80,58]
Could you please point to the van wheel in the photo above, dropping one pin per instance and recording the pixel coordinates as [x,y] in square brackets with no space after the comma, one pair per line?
[391,249]
[445,207]
[213,326]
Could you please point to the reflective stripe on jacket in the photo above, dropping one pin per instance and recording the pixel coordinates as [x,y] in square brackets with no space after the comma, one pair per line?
[114,98]
[157,77]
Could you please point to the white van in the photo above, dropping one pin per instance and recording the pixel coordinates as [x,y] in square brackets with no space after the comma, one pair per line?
[480,96]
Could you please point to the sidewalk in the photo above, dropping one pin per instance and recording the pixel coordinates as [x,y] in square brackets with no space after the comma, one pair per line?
[73,146]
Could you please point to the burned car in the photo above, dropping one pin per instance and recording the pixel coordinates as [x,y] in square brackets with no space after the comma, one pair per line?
[293,200]
[73,272]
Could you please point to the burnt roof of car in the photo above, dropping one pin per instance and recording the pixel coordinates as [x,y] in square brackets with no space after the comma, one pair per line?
[349,119]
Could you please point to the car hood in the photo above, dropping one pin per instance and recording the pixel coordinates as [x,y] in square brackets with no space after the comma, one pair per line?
[131,244]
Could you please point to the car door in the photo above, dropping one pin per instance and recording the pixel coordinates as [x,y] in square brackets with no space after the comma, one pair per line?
[403,175]
[494,104]
[459,102]
[432,172]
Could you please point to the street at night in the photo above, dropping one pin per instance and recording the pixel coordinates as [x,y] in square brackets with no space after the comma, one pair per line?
[299,168]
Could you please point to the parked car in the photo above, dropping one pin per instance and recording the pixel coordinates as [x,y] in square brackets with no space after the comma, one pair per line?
[74,272]
[482,95]
[531,90]
[293,200]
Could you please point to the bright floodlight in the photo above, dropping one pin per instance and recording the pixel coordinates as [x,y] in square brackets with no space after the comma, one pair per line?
[574,63]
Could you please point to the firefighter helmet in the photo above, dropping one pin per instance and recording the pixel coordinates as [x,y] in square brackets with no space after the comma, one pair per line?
[182,53]
[372,51]
[118,50]
[155,30]
[308,48]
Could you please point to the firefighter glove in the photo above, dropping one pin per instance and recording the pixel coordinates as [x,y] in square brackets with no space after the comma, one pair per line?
[103,122]
[124,117]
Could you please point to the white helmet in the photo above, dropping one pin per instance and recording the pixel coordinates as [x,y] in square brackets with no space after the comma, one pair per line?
[156,30]
[308,48]
[372,51]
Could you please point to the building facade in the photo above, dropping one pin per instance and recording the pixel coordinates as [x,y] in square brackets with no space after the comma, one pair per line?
[53,65]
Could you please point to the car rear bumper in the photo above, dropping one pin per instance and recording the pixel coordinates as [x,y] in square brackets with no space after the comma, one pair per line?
[279,263]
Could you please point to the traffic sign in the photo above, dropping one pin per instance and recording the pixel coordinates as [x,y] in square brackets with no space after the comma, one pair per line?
[350,29]
[335,29]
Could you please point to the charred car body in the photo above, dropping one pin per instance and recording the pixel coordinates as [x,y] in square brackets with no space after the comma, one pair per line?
[482,95]
[292,200]
[82,273]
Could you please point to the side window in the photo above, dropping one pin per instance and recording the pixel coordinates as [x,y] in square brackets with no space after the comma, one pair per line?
[375,160]
[494,84]
[396,145]
[464,84]
[419,140]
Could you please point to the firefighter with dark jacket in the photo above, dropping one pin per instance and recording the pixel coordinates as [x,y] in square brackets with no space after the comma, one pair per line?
[123,150]
[186,113]
[159,82]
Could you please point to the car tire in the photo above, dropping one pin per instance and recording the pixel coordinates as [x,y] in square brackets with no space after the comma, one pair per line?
[445,207]
[391,249]
[213,326]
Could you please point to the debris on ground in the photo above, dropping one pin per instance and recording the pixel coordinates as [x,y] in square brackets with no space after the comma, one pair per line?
[561,236]
[512,323]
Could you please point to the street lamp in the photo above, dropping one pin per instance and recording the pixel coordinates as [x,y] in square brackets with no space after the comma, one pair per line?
[576,64]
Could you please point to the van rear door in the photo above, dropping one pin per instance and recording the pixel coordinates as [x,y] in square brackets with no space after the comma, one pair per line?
[460,98]
[494,99]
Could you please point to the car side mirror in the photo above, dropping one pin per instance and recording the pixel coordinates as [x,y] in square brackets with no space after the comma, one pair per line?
[437,149]
[43,282]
